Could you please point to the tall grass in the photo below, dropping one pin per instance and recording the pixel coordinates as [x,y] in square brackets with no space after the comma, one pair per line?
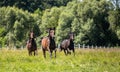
[85,60]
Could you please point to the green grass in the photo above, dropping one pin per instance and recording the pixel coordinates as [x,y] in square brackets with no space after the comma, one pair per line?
[86,60]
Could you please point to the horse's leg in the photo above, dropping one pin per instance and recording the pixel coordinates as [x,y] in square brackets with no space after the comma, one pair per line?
[51,53]
[44,53]
[60,48]
[29,52]
[34,52]
[55,53]
[68,52]
[73,51]
[65,52]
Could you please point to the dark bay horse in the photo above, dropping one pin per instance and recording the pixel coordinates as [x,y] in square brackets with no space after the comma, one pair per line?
[48,43]
[31,44]
[68,45]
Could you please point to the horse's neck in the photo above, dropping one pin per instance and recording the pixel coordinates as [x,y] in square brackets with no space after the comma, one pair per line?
[70,41]
[50,38]
[31,40]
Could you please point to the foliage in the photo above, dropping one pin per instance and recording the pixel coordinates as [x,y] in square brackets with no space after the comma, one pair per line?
[16,24]
[32,5]
[50,19]
[94,22]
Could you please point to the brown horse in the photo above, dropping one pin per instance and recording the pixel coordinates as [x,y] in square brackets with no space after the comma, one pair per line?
[48,43]
[68,45]
[31,44]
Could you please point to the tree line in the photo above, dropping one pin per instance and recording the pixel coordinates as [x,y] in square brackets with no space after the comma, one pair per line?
[94,22]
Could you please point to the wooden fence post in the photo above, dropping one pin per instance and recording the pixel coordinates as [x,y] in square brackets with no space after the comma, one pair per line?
[14,47]
[104,47]
[83,46]
[0,46]
[7,48]
[21,47]
[58,46]
[100,47]
[79,46]
[92,46]
[88,46]
[96,47]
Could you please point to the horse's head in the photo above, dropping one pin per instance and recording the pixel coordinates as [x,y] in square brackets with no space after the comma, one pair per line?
[52,32]
[31,34]
[71,36]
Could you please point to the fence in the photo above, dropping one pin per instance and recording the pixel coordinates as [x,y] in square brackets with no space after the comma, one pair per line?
[76,46]
[13,47]
[83,46]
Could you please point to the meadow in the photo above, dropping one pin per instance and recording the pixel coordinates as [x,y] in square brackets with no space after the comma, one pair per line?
[85,60]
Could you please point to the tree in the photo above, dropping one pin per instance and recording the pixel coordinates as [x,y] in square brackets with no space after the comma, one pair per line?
[32,5]
[50,19]
[17,24]
[64,26]
[116,4]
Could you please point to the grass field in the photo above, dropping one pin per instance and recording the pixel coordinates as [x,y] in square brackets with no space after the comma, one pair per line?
[85,60]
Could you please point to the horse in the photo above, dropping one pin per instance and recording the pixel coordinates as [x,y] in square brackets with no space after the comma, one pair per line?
[31,45]
[68,45]
[48,43]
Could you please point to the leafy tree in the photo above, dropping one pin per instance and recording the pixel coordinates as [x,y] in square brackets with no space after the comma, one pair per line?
[32,5]
[50,19]
[116,4]
[64,26]
[17,24]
